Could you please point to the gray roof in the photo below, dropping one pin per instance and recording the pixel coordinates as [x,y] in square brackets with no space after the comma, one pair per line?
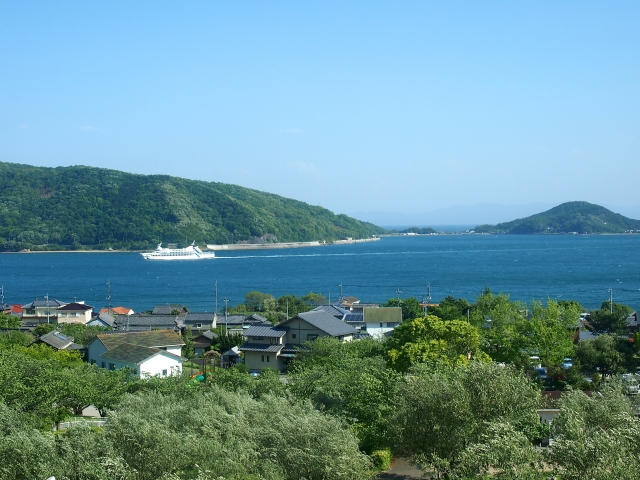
[56,340]
[256,318]
[168,308]
[327,323]
[104,319]
[265,331]
[129,353]
[208,334]
[260,347]
[44,303]
[199,317]
[231,319]
[331,309]
[4,306]
[149,321]
[154,338]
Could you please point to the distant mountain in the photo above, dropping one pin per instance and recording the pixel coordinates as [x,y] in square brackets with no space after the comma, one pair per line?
[580,217]
[467,215]
[75,207]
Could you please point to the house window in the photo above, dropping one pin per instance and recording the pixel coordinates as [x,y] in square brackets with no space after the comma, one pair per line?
[381,325]
[103,366]
[262,358]
[258,338]
[112,366]
[164,373]
[293,335]
[93,362]
[198,325]
[267,358]
[311,337]
[135,371]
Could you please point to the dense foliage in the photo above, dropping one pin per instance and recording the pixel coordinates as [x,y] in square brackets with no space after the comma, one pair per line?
[72,207]
[579,217]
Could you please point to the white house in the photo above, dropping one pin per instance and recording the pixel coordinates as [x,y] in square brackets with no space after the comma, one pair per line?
[42,310]
[379,321]
[156,352]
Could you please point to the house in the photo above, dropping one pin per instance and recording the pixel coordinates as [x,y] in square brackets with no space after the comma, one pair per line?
[117,311]
[140,323]
[231,357]
[379,321]
[199,321]
[58,341]
[40,311]
[202,343]
[76,312]
[170,309]
[5,308]
[348,302]
[102,320]
[145,353]
[238,323]
[268,346]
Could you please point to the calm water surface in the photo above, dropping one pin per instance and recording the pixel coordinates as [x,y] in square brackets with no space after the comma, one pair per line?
[528,267]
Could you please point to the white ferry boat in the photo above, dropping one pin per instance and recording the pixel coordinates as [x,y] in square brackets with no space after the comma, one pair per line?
[190,253]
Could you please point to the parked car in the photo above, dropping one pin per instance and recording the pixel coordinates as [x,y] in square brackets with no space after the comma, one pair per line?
[567,363]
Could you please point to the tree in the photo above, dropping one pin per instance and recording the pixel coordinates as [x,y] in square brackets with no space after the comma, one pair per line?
[188,350]
[432,339]
[609,318]
[255,301]
[315,299]
[442,411]
[451,309]
[410,307]
[607,355]
[9,321]
[597,436]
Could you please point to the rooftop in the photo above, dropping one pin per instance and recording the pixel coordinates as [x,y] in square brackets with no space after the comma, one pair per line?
[265,331]
[154,338]
[75,306]
[327,323]
[130,353]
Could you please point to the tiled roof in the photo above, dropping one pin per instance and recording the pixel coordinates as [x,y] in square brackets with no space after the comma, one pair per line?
[75,307]
[166,321]
[208,334]
[332,310]
[168,308]
[136,354]
[118,310]
[327,323]
[255,318]
[44,303]
[56,340]
[231,319]
[265,331]
[4,307]
[154,338]
[259,347]
[199,317]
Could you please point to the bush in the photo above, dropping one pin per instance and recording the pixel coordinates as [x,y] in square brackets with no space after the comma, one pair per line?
[381,459]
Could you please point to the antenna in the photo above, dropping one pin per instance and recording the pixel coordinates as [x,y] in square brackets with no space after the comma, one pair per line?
[340,292]
[398,291]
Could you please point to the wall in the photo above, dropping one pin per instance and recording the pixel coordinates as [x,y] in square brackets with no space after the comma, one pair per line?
[301,330]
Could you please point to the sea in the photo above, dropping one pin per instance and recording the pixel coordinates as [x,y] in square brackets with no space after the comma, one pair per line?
[527,267]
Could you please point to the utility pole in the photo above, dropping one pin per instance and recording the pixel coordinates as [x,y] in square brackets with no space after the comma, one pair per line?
[216,297]
[611,300]
[47,297]
[108,297]
[340,292]
[426,307]
[287,309]
[398,291]
[2,294]
[226,327]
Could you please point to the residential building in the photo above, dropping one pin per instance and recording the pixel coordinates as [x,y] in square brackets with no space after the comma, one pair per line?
[102,320]
[380,321]
[202,343]
[76,312]
[145,353]
[141,323]
[268,346]
[200,321]
[334,310]
[59,341]
[40,311]
[117,311]
[170,309]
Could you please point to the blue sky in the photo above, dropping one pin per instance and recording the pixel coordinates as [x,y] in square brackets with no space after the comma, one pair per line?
[356,106]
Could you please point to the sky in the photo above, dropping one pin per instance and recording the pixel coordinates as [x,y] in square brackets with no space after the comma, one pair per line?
[359,106]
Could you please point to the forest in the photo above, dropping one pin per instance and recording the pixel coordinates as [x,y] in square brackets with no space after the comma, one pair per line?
[442,391]
[71,208]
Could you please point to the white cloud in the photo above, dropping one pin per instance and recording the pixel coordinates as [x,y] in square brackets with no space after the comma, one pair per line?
[89,128]
[291,131]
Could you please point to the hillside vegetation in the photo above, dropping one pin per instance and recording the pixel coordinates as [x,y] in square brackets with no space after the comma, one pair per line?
[76,207]
[579,217]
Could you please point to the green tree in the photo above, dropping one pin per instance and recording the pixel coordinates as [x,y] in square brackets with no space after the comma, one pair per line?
[410,307]
[440,412]
[609,318]
[607,355]
[255,301]
[433,340]
[9,321]
[451,309]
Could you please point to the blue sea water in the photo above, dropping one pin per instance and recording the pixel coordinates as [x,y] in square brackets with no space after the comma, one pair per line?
[532,267]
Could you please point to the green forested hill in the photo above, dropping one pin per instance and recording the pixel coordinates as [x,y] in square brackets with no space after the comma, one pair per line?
[75,207]
[580,217]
